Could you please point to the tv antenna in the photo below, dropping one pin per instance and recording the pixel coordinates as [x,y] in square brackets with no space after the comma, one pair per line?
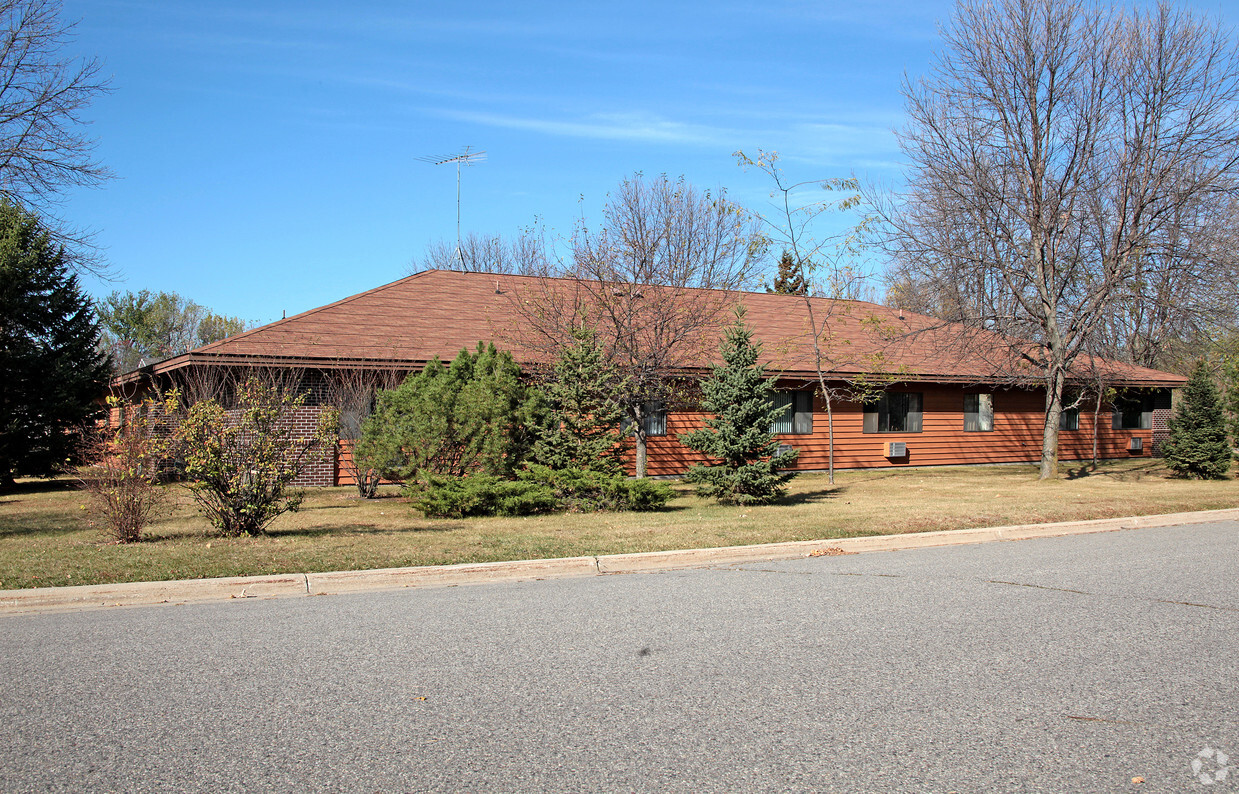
[464,157]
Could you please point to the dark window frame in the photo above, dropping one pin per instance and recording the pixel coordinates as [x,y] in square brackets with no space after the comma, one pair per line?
[1132,413]
[1069,420]
[976,416]
[904,410]
[797,416]
[654,419]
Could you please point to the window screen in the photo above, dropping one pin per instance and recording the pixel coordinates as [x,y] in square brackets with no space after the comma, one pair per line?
[1069,419]
[796,412]
[978,412]
[654,419]
[1133,413]
[894,412]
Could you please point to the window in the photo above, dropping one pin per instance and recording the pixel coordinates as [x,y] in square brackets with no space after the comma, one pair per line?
[978,412]
[654,418]
[797,412]
[895,412]
[1132,413]
[1069,419]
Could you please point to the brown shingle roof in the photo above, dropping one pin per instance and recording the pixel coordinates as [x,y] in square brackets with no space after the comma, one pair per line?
[438,312]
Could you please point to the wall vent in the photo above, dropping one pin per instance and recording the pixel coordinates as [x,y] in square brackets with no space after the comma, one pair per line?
[896,449]
[1135,445]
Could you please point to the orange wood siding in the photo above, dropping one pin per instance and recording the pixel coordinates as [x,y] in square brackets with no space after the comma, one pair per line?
[344,474]
[344,463]
[1016,437]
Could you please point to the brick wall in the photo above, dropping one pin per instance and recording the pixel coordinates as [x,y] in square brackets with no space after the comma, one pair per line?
[320,465]
[1162,411]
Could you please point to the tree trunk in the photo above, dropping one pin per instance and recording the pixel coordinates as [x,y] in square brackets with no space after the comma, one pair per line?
[830,437]
[1096,429]
[639,437]
[1049,436]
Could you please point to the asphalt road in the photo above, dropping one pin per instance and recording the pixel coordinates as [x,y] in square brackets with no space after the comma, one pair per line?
[1067,664]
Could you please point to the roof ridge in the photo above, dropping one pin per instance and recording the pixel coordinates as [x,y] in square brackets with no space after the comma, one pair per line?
[492,274]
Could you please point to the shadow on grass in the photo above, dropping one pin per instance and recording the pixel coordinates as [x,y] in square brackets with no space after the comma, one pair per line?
[1084,471]
[446,525]
[1138,472]
[815,496]
[38,524]
[26,487]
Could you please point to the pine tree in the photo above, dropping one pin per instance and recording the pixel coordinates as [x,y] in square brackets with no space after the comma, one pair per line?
[1198,446]
[51,373]
[475,415]
[790,279]
[740,434]
[587,410]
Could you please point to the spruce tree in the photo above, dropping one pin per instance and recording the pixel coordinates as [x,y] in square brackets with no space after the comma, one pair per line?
[740,434]
[790,279]
[1198,446]
[587,411]
[51,373]
[1232,399]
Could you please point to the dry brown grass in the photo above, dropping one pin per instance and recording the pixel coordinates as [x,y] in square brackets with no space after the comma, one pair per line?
[44,539]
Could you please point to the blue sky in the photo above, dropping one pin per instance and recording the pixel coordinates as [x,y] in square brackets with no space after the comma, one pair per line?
[265,152]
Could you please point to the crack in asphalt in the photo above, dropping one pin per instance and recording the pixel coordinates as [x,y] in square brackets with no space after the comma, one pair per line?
[1038,586]
[749,569]
[1108,595]
[1105,720]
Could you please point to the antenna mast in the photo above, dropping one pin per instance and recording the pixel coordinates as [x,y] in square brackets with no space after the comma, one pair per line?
[465,157]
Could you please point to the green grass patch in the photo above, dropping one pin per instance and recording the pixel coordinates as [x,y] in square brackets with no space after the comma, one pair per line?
[45,539]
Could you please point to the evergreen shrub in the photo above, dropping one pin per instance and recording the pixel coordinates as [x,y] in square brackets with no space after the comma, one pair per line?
[1198,445]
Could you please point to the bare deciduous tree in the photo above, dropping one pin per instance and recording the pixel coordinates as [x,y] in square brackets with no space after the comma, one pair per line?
[829,264]
[654,282]
[43,148]
[1181,299]
[481,253]
[352,392]
[1059,149]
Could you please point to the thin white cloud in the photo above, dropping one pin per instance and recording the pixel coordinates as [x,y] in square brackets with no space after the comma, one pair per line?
[608,126]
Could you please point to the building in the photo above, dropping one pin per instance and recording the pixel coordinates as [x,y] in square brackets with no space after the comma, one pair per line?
[949,395]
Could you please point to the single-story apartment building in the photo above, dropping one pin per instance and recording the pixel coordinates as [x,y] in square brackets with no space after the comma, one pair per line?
[949,395]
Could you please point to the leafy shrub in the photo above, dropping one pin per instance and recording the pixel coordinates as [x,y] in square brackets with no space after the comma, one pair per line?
[126,466]
[241,463]
[646,495]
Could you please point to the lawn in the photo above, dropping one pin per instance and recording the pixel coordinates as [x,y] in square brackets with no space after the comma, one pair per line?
[45,539]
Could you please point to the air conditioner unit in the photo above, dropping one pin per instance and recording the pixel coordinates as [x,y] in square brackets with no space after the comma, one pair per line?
[896,449]
[1135,445]
[783,449]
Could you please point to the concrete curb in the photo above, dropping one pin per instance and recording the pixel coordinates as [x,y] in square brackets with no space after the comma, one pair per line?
[48,599]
